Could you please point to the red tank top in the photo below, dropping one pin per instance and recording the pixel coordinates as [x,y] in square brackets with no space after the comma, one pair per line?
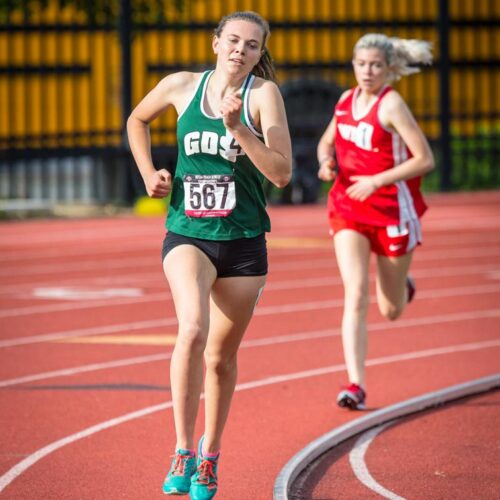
[363,146]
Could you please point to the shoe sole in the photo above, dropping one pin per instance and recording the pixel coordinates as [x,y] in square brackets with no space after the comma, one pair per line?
[348,402]
[175,493]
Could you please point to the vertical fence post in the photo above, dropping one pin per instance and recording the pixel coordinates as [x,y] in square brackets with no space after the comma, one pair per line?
[125,28]
[444,95]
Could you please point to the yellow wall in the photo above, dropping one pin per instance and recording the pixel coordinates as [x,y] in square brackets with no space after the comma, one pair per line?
[34,104]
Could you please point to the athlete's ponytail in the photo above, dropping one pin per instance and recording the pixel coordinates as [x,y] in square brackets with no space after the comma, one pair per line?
[399,53]
[265,67]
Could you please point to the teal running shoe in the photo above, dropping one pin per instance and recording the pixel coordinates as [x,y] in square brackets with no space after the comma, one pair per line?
[178,480]
[204,480]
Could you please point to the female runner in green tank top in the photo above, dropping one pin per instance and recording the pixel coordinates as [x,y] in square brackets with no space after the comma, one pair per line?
[232,133]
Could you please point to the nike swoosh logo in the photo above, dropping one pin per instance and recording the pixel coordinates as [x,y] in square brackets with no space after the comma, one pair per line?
[341,113]
[394,248]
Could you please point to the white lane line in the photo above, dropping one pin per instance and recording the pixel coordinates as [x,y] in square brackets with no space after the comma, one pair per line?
[445,255]
[273,340]
[259,311]
[82,236]
[316,448]
[90,265]
[303,264]
[97,330]
[358,464]
[21,256]
[272,286]
[417,273]
[312,219]
[88,304]
[138,246]
[30,460]
[424,294]
[431,224]
[25,464]
[145,262]
[449,225]
[66,372]
[22,289]
[423,253]
[30,257]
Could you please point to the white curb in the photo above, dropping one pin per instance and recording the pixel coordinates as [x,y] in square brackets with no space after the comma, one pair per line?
[331,439]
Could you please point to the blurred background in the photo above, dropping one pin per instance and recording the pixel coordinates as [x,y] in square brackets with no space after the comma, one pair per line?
[72,70]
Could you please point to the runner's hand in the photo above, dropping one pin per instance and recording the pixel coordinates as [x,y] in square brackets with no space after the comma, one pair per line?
[327,170]
[363,186]
[230,110]
[159,184]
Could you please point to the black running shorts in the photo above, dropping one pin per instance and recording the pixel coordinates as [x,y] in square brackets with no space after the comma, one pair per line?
[241,257]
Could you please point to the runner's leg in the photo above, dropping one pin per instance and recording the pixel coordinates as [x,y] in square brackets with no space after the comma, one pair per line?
[191,275]
[232,303]
[392,294]
[352,251]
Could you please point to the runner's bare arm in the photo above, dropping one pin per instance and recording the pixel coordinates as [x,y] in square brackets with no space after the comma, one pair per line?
[171,91]
[273,157]
[326,149]
[326,153]
[395,114]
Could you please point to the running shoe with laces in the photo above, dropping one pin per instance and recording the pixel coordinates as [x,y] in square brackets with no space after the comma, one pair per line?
[204,480]
[352,396]
[178,480]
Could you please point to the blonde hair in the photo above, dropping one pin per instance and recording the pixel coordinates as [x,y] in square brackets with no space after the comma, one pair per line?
[265,67]
[400,54]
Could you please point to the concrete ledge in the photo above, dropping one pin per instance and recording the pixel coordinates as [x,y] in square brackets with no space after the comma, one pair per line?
[331,439]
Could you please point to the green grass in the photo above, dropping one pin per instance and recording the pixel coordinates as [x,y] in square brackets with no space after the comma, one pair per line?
[474,164]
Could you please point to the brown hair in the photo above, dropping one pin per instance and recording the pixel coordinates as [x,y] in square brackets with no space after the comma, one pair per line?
[265,67]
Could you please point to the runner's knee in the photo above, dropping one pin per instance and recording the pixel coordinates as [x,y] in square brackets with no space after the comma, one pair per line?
[390,311]
[191,337]
[357,300]
[219,364]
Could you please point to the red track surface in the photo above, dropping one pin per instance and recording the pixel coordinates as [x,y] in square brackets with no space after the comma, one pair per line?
[446,452]
[291,363]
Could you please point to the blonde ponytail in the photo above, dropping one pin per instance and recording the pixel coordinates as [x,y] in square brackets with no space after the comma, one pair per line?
[399,53]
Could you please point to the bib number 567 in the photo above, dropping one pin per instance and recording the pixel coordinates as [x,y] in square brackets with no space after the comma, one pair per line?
[203,195]
[209,196]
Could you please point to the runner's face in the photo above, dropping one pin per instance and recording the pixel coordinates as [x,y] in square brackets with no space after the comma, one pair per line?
[370,69]
[239,47]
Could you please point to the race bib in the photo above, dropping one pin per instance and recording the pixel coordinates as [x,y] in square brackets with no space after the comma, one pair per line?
[397,231]
[209,195]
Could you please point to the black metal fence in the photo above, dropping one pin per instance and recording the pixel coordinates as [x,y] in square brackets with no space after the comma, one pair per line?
[70,72]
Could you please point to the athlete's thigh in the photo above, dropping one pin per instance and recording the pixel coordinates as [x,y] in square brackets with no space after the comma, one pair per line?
[191,275]
[352,251]
[391,277]
[232,303]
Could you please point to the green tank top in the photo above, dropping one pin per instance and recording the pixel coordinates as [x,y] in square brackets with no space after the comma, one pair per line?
[217,191]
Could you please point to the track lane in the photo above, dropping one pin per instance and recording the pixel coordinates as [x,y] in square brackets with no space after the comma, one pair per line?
[237,490]
[272,404]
